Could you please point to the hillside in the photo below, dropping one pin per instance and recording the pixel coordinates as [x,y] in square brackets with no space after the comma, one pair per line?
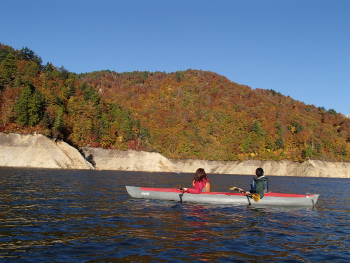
[202,115]
[188,114]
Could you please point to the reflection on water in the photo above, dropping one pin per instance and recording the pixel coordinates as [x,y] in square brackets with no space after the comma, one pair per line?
[80,216]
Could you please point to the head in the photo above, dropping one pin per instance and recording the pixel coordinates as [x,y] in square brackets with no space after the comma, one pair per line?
[259,172]
[200,175]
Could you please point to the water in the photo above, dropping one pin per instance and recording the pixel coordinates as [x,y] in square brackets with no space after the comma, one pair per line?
[87,216]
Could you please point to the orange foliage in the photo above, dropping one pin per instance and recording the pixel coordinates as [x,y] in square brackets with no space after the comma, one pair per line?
[185,114]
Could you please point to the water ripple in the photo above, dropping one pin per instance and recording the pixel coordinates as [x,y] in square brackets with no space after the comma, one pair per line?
[87,216]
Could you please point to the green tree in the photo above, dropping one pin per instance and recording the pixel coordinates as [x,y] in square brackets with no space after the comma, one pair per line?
[29,108]
[8,70]
[279,129]
[29,55]
[246,143]
[257,129]
[22,106]
[104,124]
[36,105]
[48,67]
[295,126]
[4,52]
[70,90]
[59,124]
[64,73]
[280,142]
[32,69]
[126,127]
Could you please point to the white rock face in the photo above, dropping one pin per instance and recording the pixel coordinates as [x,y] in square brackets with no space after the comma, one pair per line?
[38,151]
[154,162]
[18,150]
[130,160]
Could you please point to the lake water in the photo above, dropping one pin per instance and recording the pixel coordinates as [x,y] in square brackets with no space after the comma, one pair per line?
[87,216]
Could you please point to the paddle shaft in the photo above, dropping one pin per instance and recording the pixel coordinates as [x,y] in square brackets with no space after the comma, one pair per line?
[241,191]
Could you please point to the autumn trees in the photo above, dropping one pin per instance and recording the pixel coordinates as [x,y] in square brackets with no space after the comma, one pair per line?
[55,102]
[186,114]
[201,115]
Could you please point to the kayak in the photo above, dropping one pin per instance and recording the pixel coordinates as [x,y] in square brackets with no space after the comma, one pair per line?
[269,199]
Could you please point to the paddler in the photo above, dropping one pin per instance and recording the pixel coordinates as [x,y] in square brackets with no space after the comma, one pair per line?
[200,183]
[259,185]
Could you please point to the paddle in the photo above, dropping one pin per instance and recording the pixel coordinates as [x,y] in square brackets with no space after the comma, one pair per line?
[255,196]
[182,192]
[181,189]
[234,188]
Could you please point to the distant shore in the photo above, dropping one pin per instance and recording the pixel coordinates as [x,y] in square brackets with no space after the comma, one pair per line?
[38,151]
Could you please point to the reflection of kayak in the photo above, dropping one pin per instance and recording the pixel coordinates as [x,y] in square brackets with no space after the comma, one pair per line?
[270,199]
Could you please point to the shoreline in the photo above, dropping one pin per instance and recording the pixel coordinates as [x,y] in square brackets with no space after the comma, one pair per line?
[38,151]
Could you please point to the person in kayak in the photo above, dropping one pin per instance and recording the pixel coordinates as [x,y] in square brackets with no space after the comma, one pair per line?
[200,183]
[259,185]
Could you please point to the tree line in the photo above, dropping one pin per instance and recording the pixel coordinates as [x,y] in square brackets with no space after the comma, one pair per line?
[188,114]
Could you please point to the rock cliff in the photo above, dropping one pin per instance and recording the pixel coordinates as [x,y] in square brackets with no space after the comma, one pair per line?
[154,162]
[18,150]
[38,151]
[130,160]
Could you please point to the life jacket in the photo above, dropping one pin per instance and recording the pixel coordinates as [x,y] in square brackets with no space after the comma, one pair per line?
[205,187]
[260,185]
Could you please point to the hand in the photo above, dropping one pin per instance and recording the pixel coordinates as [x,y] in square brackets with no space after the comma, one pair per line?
[240,190]
[184,189]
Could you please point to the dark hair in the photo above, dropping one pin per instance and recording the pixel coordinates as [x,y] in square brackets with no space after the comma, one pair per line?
[259,172]
[200,175]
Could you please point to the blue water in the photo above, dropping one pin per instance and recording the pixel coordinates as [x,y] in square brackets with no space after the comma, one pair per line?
[87,216]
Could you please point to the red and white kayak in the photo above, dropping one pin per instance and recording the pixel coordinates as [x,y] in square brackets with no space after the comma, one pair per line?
[269,199]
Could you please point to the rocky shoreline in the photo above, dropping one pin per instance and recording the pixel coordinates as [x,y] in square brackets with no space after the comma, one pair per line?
[38,151]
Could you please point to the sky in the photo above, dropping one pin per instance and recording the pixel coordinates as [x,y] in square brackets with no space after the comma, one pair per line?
[300,48]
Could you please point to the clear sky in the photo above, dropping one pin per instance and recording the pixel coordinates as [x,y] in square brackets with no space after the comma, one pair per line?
[300,48]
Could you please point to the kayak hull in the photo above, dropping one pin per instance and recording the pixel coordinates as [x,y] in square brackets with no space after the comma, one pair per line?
[269,199]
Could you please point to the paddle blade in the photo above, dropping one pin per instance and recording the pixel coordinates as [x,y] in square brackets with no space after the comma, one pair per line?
[256,197]
[233,188]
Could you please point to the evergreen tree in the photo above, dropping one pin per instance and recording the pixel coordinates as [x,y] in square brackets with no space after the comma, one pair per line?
[8,70]
[29,108]
[22,106]
[36,107]
[29,55]
[59,124]
[104,123]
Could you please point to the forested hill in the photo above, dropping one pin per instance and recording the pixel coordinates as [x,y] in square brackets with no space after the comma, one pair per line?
[188,114]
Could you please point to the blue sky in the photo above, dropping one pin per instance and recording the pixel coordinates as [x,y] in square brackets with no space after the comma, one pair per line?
[300,48]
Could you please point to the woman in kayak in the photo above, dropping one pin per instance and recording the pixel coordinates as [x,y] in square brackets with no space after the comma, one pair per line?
[200,183]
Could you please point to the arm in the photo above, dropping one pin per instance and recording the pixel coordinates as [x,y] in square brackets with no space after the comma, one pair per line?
[240,190]
[195,190]
[207,187]
[191,190]
[243,192]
